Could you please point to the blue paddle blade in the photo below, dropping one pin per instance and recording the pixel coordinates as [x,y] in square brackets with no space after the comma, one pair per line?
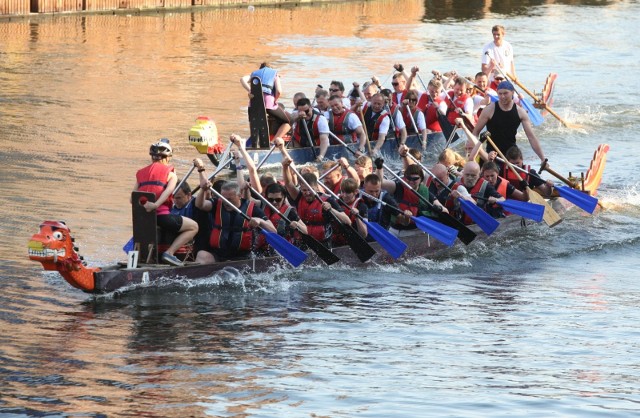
[391,244]
[292,254]
[128,246]
[480,217]
[442,233]
[493,98]
[534,114]
[582,200]
[527,210]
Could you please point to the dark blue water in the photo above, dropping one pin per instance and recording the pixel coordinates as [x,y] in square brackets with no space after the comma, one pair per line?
[534,322]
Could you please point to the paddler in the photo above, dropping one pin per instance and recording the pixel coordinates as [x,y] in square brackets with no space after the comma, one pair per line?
[313,213]
[408,200]
[231,236]
[316,126]
[160,178]
[473,188]
[271,90]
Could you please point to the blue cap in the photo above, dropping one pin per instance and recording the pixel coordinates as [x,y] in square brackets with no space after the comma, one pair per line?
[506,85]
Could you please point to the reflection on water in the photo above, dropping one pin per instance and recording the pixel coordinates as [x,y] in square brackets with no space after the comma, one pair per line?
[542,319]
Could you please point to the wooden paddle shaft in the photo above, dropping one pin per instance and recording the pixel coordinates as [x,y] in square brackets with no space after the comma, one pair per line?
[545,167]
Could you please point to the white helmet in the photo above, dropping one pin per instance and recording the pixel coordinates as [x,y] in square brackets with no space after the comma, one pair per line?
[161,149]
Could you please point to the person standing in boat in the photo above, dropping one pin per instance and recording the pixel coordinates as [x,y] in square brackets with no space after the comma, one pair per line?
[344,124]
[473,188]
[313,213]
[317,126]
[231,236]
[271,90]
[160,178]
[499,51]
[502,119]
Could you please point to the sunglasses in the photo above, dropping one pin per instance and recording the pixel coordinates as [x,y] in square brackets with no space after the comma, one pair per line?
[413,100]
[413,178]
[334,90]
[275,199]
[395,83]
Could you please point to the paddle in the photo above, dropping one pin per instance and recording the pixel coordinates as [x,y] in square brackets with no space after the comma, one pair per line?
[579,198]
[183,180]
[326,173]
[292,254]
[220,167]
[366,136]
[543,104]
[483,91]
[485,221]
[415,128]
[527,210]
[392,244]
[550,217]
[358,245]
[464,233]
[261,163]
[534,114]
[582,200]
[309,139]
[450,139]
[316,246]
[442,233]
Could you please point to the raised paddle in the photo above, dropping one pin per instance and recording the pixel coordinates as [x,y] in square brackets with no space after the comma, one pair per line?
[358,245]
[392,244]
[550,217]
[316,246]
[534,114]
[485,221]
[326,173]
[292,254]
[543,104]
[220,167]
[464,233]
[579,198]
[442,233]
[183,180]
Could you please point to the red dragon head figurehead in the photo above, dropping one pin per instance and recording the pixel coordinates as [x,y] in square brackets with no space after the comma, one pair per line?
[53,247]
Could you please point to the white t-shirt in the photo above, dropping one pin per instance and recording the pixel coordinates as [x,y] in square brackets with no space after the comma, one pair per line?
[502,55]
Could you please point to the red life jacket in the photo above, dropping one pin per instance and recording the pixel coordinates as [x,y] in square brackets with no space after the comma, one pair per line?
[338,238]
[502,189]
[407,119]
[409,201]
[153,178]
[394,97]
[431,114]
[339,126]
[240,232]
[452,115]
[373,125]
[311,214]
[477,190]
[508,175]
[297,136]
[277,222]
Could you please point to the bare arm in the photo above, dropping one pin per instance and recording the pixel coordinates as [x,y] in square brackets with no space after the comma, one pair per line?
[288,179]
[244,81]
[528,129]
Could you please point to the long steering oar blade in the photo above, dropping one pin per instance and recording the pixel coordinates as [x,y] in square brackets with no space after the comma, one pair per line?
[358,245]
[527,210]
[551,217]
[391,244]
[292,254]
[534,114]
[316,246]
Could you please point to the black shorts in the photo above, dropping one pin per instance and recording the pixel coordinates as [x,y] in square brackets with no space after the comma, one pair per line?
[170,223]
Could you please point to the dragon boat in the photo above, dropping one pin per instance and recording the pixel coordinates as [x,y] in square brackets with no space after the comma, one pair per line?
[54,247]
